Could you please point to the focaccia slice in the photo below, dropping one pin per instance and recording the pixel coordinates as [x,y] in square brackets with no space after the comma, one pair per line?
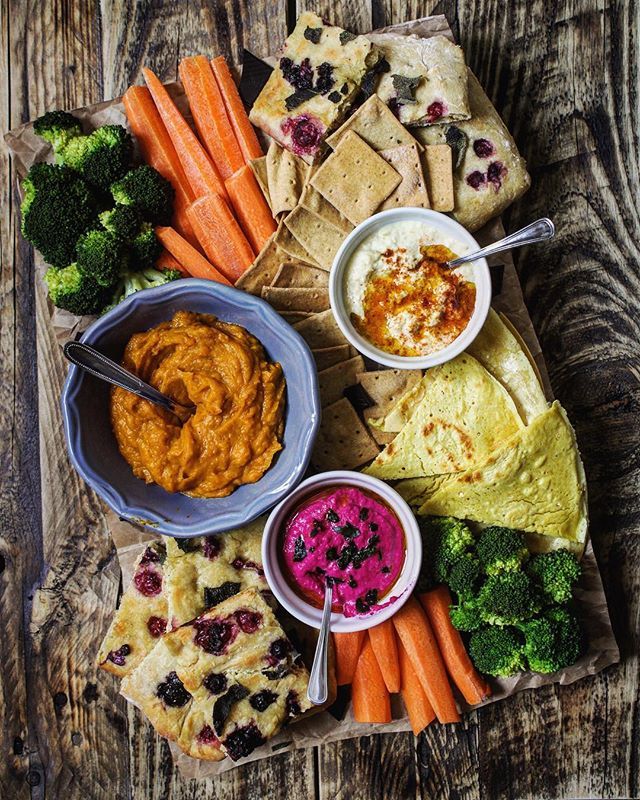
[318,75]
[141,618]
[202,572]
[426,82]
[489,173]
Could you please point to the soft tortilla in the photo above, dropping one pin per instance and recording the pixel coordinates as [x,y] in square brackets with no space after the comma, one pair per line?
[343,441]
[413,189]
[376,125]
[535,482]
[461,414]
[300,275]
[334,380]
[499,352]
[293,299]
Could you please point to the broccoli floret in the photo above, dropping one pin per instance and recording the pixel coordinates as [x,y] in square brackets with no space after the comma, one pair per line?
[101,157]
[146,190]
[552,641]
[497,651]
[466,616]
[464,576]
[556,573]
[444,541]
[133,281]
[73,290]
[101,255]
[145,248]
[122,221]
[57,128]
[508,598]
[57,208]
[501,549]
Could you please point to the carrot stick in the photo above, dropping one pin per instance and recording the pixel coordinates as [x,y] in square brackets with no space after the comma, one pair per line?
[167,261]
[385,648]
[414,630]
[347,647]
[415,700]
[371,702]
[220,235]
[198,167]
[238,118]
[193,262]
[251,209]
[209,114]
[473,687]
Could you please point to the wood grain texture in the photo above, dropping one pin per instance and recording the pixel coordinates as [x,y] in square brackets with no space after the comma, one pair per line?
[564,76]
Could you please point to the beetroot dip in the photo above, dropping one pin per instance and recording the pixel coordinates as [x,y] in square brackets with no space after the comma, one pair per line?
[349,537]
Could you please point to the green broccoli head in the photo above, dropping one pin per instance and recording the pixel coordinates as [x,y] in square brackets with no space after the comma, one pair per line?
[57,208]
[497,651]
[122,221]
[444,541]
[73,290]
[101,255]
[57,128]
[508,598]
[552,641]
[146,190]
[466,616]
[501,549]
[101,157]
[556,572]
[464,576]
[145,248]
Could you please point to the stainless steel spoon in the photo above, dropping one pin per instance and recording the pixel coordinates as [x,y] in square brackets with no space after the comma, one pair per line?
[93,361]
[318,690]
[537,231]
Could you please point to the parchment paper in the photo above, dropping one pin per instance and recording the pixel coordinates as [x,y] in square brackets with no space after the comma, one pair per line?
[26,149]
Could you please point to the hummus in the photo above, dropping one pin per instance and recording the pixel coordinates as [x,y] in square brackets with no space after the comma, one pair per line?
[347,537]
[238,395]
[398,294]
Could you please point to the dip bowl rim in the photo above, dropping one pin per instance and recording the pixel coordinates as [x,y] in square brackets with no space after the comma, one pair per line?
[301,372]
[481,278]
[293,602]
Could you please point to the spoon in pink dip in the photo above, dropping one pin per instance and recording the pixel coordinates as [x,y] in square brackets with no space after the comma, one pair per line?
[318,689]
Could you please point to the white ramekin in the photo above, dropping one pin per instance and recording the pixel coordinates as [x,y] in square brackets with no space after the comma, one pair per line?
[450,228]
[271,541]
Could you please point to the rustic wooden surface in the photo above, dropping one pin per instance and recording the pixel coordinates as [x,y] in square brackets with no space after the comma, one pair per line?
[564,75]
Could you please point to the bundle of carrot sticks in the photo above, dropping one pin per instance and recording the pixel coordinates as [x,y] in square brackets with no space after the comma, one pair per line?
[221,219]
[417,653]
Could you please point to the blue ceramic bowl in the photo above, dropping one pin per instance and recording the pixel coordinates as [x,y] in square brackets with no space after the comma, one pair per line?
[92,445]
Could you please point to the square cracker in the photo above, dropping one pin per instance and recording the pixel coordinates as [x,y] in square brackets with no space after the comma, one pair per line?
[317,236]
[301,275]
[259,169]
[263,269]
[286,174]
[334,380]
[439,175]
[355,179]
[343,441]
[321,330]
[313,201]
[291,246]
[326,357]
[376,125]
[294,316]
[294,299]
[413,189]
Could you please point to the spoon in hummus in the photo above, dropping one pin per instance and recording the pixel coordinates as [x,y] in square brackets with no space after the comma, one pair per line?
[91,360]
[318,690]
[537,231]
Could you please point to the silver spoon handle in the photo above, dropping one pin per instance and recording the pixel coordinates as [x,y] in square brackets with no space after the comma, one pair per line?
[537,231]
[318,690]
[95,362]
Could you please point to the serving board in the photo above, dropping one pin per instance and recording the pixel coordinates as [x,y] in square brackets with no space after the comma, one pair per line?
[75,736]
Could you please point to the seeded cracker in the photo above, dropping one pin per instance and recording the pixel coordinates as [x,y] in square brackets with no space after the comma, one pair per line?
[319,238]
[375,124]
[355,179]
[413,190]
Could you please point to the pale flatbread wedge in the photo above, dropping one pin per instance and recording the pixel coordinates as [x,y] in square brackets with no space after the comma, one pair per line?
[343,441]
[293,299]
[315,235]
[376,125]
[460,415]
[385,387]
[300,275]
[334,380]
[355,179]
[412,191]
[263,269]
[328,356]
[535,482]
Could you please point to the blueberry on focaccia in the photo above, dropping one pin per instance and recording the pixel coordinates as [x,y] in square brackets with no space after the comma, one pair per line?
[426,82]
[141,617]
[239,642]
[202,572]
[489,173]
[319,73]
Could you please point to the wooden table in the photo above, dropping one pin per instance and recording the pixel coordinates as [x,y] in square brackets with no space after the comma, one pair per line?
[564,75]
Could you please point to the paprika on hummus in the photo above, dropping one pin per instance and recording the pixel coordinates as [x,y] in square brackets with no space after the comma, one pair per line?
[237,425]
[349,538]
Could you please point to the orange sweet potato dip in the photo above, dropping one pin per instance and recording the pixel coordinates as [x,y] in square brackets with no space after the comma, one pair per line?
[238,395]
